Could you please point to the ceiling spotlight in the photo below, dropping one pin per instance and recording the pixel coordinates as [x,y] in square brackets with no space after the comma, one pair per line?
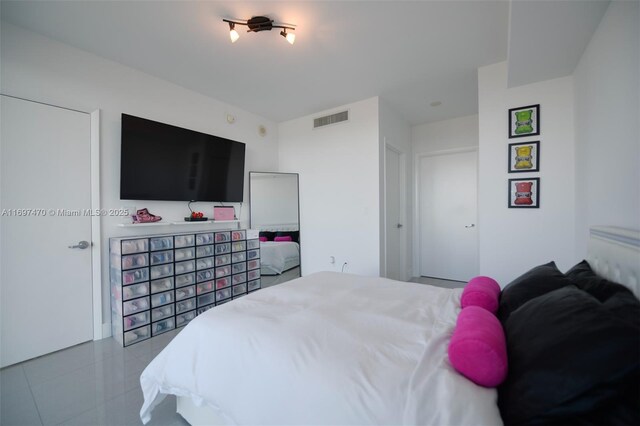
[260,23]
[233,34]
[291,37]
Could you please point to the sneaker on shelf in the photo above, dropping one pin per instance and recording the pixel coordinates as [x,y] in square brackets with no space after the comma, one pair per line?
[143,216]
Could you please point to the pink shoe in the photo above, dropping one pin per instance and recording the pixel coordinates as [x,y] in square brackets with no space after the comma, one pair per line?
[143,216]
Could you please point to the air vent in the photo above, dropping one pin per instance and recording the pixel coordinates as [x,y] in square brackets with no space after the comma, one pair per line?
[331,119]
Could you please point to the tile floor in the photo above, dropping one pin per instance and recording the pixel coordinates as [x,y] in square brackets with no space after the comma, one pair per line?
[95,383]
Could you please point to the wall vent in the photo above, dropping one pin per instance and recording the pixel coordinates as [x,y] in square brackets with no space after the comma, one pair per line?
[331,119]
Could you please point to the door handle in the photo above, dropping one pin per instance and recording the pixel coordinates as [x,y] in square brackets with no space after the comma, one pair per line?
[473,225]
[81,245]
[399,226]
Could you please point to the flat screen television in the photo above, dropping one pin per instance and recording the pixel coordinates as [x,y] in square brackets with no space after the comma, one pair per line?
[164,162]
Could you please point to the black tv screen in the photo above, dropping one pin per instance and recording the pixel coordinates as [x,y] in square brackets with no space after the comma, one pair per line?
[164,162]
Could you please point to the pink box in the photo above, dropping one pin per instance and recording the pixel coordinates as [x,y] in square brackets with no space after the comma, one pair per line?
[224,213]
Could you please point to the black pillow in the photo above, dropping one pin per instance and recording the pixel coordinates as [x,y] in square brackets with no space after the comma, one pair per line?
[536,282]
[615,297]
[584,278]
[270,235]
[570,360]
[625,306]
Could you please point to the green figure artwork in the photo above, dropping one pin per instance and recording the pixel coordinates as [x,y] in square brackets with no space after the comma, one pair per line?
[524,122]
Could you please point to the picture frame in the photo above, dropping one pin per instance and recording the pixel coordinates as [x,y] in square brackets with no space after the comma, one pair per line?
[524,121]
[524,193]
[524,157]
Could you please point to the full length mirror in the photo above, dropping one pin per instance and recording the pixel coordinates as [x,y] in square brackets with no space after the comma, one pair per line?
[275,213]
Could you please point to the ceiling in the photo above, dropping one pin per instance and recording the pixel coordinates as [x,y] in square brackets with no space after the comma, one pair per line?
[410,53]
[550,37]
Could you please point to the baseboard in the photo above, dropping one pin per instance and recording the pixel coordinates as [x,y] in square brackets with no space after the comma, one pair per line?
[106,331]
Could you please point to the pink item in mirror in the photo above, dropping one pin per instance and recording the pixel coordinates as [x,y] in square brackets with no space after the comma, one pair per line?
[287,238]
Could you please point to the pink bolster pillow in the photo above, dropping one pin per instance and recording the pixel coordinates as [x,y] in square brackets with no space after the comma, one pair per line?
[287,238]
[483,292]
[478,349]
[263,239]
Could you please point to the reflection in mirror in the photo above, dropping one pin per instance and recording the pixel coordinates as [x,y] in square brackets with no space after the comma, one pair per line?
[275,213]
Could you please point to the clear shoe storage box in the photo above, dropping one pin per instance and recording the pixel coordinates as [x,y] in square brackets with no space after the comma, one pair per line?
[161,282]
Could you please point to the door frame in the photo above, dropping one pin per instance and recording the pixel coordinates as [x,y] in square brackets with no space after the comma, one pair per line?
[402,170]
[99,330]
[417,241]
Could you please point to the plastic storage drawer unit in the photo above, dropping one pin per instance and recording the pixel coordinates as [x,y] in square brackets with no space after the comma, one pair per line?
[161,282]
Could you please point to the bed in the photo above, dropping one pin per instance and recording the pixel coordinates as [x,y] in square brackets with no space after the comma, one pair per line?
[279,249]
[277,257]
[335,348]
[285,338]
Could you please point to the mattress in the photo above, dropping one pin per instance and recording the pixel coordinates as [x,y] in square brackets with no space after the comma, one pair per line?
[288,265]
[277,257]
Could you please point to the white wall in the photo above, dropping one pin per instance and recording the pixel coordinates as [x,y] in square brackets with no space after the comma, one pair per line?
[607,114]
[339,188]
[429,138]
[513,240]
[396,132]
[444,135]
[38,68]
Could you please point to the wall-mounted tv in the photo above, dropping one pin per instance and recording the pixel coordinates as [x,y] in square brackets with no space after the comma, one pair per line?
[164,162]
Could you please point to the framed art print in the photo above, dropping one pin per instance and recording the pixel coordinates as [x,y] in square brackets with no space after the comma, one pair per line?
[524,193]
[524,157]
[524,121]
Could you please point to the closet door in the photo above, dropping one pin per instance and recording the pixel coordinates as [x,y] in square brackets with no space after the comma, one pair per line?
[447,215]
[45,286]
[394,218]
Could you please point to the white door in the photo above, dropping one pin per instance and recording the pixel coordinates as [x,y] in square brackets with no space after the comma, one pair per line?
[45,286]
[447,215]
[394,222]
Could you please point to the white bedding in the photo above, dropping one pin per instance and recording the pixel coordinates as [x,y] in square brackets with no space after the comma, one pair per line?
[328,348]
[275,257]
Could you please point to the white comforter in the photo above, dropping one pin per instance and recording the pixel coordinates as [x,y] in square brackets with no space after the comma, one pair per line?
[328,348]
[275,254]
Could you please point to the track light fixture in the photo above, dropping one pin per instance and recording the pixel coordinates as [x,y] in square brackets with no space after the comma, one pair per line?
[233,34]
[260,23]
[291,37]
